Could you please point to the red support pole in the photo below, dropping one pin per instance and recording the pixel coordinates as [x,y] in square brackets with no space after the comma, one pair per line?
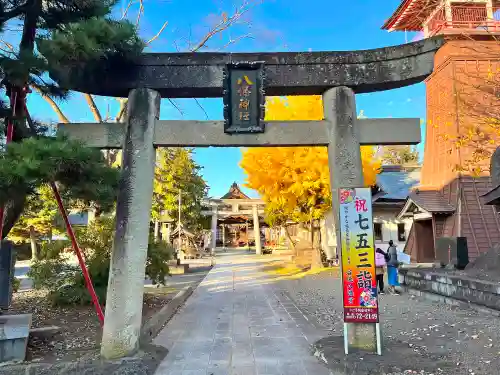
[71,234]
[74,243]
[76,248]
[10,134]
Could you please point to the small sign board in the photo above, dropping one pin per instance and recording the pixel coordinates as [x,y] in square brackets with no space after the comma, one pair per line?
[358,256]
[244,98]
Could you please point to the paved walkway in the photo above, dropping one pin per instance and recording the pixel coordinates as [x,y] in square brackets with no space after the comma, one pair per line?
[235,323]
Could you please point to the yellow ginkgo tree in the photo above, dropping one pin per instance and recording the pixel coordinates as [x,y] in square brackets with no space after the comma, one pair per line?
[295,181]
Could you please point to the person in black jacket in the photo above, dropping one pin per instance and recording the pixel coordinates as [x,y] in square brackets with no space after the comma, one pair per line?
[392,268]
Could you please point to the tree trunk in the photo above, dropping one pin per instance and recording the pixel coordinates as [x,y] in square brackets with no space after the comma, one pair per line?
[290,241]
[13,210]
[93,107]
[34,245]
[156,230]
[15,206]
[311,229]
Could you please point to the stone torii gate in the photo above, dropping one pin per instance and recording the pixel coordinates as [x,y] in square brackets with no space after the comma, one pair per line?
[335,75]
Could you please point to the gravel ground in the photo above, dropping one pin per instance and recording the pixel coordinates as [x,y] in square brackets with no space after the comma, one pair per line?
[466,341]
[80,330]
[80,335]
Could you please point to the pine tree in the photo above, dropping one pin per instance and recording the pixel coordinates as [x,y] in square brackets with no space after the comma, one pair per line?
[176,171]
[39,220]
[54,32]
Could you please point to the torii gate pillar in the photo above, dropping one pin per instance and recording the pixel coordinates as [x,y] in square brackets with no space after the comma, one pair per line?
[346,171]
[123,316]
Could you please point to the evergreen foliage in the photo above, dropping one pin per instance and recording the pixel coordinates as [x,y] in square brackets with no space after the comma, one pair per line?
[176,170]
[54,34]
[80,171]
[65,282]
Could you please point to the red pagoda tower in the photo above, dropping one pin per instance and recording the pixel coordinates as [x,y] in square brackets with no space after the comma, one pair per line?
[463,124]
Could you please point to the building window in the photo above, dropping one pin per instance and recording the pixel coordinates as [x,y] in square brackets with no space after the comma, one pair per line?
[401,232]
[377,231]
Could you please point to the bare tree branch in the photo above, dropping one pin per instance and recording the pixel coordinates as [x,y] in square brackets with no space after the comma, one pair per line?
[93,107]
[236,40]
[224,24]
[201,107]
[122,110]
[140,13]
[53,104]
[176,106]
[158,33]
[125,12]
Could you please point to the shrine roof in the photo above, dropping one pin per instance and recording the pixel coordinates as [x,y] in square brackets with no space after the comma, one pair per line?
[430,201]
[235,193]
[410,15]
[397,185]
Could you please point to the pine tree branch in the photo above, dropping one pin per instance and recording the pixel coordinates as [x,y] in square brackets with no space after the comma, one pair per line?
[93,107]
[53,105]
[13,13]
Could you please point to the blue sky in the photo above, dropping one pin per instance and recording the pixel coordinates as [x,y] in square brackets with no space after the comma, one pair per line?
[274,25]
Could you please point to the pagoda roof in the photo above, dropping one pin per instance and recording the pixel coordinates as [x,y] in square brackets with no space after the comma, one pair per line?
[410,15]
[235,193]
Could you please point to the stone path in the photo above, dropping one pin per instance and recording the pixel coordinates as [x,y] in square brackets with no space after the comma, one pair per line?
[235,323]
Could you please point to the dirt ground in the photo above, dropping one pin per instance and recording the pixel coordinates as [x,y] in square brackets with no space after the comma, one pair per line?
[420,337]
[80,333]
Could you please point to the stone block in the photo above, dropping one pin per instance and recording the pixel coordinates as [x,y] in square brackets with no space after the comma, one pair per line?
[174,262]
[453,285]
[14,332]
[152,326]
[180,269]
[7,263]
[45,333]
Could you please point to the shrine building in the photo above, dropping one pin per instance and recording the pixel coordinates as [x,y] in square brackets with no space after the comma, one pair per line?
[235,217]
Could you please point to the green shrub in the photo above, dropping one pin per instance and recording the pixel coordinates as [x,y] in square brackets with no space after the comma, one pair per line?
[52,273]
[156,265]
[53,249]
[16,283]
[66,284]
